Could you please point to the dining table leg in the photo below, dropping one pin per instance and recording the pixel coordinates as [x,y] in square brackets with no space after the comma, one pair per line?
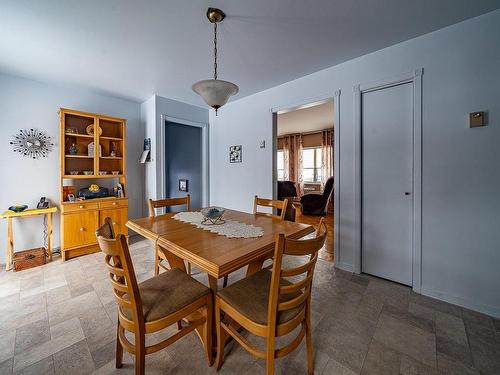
[173,260]
[256,265]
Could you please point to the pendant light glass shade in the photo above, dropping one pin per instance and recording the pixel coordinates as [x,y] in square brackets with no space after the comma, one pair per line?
[215,92]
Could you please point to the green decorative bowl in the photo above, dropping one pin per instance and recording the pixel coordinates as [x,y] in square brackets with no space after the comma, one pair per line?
[18,208]
[213,216]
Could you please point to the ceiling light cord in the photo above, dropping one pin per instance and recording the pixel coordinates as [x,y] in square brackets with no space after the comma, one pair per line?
[215,50]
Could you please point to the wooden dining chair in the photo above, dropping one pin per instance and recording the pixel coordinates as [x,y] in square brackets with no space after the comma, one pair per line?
[269,305]
[154,304]
[275,204]
[160,257]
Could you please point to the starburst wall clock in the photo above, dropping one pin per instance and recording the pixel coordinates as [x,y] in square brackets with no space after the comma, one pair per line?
[32,143]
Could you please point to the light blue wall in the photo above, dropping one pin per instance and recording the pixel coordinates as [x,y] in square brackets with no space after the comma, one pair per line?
[183,160]
[461,173]
[151,114]
[28,104]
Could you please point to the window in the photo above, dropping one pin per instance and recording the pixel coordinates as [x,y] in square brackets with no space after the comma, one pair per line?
[311,164]
[280,162]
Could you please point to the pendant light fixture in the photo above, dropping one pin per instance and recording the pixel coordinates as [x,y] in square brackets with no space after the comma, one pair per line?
[215,92]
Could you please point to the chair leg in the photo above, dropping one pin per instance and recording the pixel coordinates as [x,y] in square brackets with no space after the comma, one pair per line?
[270,356]
[119,348]
[189,268]
[220,336]
[209,315]
[140,353]
[310,364]
[157,261]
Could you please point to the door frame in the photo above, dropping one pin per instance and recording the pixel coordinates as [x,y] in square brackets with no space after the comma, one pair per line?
[336,155]
[415,78]
[205,197]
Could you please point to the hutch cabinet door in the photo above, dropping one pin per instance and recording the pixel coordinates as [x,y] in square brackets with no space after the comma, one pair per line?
[79,228]
[119,217]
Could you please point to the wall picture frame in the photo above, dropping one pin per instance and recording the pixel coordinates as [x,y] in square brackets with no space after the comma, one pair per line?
[183,185]
[235,154]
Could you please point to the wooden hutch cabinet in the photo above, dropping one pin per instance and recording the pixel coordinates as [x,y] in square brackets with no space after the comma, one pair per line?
[92,153]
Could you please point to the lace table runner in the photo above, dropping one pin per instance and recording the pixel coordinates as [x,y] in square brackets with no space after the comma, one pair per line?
[230,229]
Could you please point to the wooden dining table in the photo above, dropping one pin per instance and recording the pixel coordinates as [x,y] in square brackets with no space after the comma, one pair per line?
[215,254]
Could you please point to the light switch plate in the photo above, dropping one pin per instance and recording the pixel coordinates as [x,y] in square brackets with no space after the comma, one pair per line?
[476,119]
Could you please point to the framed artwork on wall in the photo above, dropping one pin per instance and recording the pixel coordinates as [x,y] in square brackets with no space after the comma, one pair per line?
[235,154]
[183,185]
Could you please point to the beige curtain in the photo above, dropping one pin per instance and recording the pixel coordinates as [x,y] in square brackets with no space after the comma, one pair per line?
[289,152]
[299,178]
[292,151]
[286,157]
[326,156]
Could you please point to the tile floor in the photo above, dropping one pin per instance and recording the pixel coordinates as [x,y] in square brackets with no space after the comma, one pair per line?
[60,319]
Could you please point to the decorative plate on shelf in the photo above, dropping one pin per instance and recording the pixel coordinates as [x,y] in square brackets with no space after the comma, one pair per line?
[90,130]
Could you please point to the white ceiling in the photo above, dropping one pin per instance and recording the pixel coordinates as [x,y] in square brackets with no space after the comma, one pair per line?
[138,48]
[305,120]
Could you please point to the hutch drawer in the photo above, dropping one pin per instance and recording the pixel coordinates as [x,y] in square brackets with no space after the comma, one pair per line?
[114,203]
[79,206]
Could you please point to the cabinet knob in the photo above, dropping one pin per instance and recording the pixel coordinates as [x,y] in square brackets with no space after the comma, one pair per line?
[114,203]
[82,229]
[114,222]
[82,206]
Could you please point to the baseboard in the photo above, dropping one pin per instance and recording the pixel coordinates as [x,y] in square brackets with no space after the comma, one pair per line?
[344,266]
[463,302]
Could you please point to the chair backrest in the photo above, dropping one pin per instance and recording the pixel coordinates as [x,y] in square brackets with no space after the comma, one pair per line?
[302,275]
[168,202]
[121,271]
[275,204]
[328,188]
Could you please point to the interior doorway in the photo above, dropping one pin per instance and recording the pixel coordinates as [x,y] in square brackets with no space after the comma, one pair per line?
[183,162]
[185,154]
[304,164]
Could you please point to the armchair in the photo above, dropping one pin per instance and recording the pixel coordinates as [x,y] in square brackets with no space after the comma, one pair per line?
[315,204]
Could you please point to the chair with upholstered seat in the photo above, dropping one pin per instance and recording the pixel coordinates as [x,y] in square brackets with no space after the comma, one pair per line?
[270,305]
[160,257]
[274,204]
[154,304]
[263,202]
